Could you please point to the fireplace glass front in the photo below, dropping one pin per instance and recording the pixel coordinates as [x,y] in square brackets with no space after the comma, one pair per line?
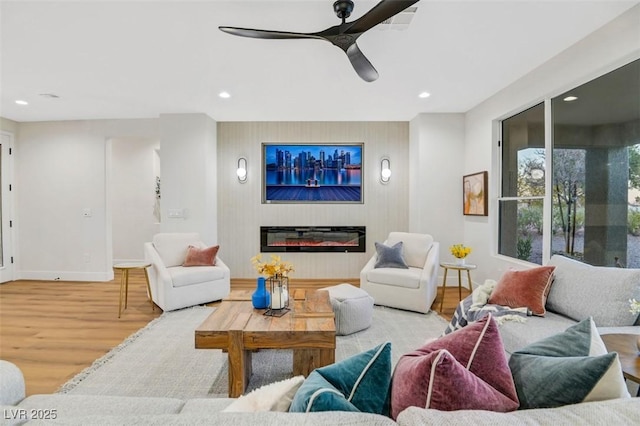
[312,239]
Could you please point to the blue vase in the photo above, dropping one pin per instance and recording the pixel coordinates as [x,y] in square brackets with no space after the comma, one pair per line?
[260,298]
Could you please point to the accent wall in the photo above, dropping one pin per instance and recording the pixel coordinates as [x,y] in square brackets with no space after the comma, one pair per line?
[241,212]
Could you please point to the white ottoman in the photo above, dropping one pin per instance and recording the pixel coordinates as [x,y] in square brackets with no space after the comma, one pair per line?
[352,306]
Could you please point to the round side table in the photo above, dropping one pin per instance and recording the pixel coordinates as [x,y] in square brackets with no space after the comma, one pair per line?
[627,347]
[124,282]
[454,266]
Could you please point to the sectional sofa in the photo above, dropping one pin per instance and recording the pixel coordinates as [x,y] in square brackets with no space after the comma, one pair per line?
[113,410]
[578,291]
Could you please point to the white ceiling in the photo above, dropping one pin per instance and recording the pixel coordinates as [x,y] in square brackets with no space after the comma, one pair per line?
[139,59]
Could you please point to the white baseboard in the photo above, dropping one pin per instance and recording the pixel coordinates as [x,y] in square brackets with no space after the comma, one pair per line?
[64,276]
[128,261]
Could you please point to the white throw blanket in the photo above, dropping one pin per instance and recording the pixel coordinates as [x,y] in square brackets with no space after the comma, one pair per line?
[475,306]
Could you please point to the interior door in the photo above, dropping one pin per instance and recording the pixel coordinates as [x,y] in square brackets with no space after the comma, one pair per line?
[6,208]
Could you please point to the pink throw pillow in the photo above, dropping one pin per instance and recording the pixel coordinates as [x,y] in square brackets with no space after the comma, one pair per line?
[466,369]
[528,288]
[201,256]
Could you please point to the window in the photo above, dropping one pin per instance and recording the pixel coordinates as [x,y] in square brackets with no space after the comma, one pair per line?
[596,170]
[522,188]
[593,193]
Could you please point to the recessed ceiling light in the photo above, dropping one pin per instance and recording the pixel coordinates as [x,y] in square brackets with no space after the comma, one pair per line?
[21,102]
[570,98]
[224,95]
[537,173]
[424,95]
[49,95]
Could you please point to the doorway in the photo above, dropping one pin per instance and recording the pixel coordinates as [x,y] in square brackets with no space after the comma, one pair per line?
[6,208]
[135,196]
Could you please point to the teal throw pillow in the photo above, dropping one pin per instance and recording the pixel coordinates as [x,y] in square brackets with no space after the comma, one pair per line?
[567,368]
[359,383]
[390,257]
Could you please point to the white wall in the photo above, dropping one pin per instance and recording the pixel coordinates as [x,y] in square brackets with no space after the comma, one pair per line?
[614,45]
[436,169]
[189,174]
[241,212]
[64,167]
[133,182]
[61,169]
[8,125]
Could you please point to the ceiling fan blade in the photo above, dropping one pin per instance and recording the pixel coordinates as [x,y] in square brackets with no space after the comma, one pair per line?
[361,64]
[253,33]
[379,13]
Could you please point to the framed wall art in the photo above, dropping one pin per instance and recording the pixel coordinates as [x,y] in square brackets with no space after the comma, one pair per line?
[475,201]
[312,173]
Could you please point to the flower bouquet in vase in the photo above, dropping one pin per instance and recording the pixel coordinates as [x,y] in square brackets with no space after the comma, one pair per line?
[460,252]
[276,271]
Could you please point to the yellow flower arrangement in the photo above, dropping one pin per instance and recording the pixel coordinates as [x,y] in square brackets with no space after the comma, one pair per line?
[460,251]
[634,306]
[275,267]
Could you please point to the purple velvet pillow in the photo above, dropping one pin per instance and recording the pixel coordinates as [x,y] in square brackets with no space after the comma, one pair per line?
[463,370]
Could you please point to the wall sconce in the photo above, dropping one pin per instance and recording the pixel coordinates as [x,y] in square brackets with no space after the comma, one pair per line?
[385,170]
[242,170]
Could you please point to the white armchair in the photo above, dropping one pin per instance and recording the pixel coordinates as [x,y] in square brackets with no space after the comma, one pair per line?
[174,286]
[413,289]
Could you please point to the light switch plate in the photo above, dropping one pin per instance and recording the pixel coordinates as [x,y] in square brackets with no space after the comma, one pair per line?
[176,213]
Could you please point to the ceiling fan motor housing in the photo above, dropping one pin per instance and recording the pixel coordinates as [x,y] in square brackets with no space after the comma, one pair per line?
[343,8]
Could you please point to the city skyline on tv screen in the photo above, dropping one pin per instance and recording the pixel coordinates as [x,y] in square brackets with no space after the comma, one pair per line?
[326,155]
[312,173]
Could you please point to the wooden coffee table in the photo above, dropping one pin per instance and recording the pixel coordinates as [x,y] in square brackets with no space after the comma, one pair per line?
[625,345]
[235,326]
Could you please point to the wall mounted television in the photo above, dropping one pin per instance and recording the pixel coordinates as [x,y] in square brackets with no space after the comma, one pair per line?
[312,173]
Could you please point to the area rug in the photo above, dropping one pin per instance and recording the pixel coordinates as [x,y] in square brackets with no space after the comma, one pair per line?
[160,359]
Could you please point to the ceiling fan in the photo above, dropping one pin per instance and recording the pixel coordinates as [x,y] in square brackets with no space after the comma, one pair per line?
[344,35]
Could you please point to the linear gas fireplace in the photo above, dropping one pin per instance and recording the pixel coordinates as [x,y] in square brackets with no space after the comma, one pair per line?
[312,239]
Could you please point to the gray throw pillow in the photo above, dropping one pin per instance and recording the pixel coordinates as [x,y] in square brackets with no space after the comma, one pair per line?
[390,257]
[567,368]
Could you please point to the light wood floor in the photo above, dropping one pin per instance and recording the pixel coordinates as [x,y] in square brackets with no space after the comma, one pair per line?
[54,329]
